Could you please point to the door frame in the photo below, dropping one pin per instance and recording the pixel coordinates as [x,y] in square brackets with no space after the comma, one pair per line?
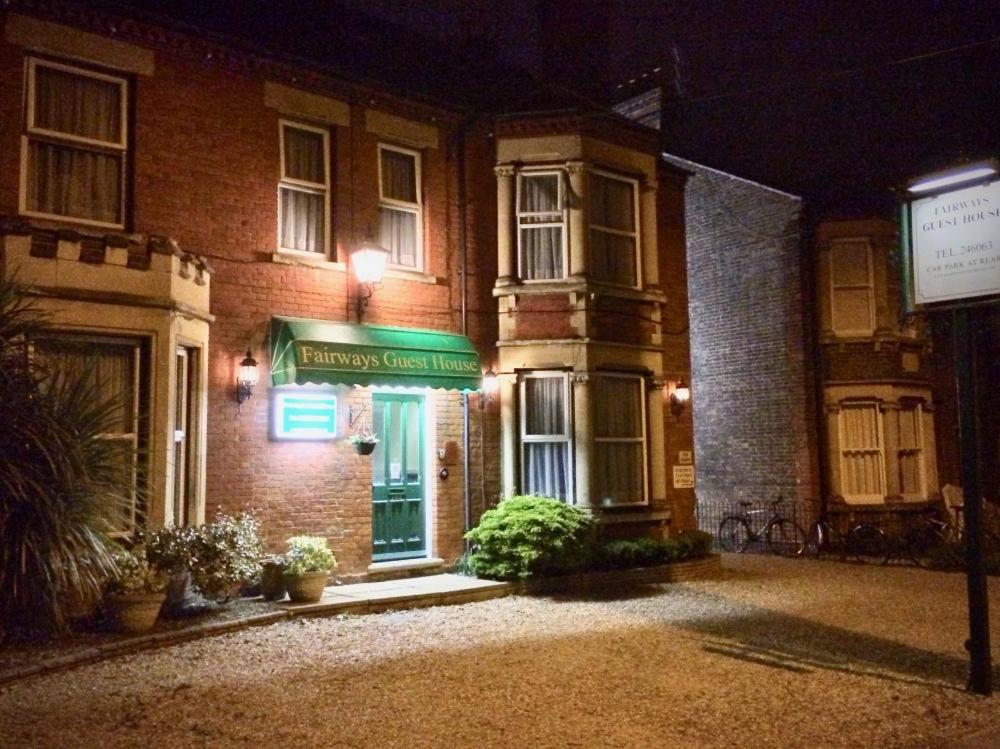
[430,473]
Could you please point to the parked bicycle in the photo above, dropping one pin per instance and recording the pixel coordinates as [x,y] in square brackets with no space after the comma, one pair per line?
[864,542]
[938,544]
[782,534]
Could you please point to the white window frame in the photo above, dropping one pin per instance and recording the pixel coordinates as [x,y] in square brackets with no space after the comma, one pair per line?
[879,450]
[565,438]
[835,287]
[635,234]
[643,439]
[32,132]
[918,449]
[416,208]
[300,185]
[560,174]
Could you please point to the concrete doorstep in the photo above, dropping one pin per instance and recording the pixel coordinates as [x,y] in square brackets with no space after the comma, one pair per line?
[360,598]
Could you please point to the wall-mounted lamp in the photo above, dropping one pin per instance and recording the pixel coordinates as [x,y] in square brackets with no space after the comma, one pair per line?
[369,267]
[679,397]
[491,385]
[246,378]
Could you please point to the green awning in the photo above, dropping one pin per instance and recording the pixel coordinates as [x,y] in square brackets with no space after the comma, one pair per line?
[330,353]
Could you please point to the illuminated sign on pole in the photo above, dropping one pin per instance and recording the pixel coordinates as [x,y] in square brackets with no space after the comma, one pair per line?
[304,416]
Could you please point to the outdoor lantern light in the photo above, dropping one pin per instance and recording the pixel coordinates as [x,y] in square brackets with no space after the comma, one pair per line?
[369,266]
[491,384]
[967,173]
[246,378]
[679,398]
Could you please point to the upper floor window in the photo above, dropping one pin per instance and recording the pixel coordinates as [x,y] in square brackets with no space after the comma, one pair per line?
[400,211]
[74,147]
[619,439]
[304,190]
[852,299]
[541,226]
[614,229]
[546,435]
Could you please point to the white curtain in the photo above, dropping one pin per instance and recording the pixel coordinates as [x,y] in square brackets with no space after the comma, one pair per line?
[541,244]
[398,234]
[71,179]
[546,462]
[612,207]
[618,443]
[303,210]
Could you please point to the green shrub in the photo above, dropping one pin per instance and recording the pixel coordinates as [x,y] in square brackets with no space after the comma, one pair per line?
[134,573]
[308,554]
[528,535]
[647,552]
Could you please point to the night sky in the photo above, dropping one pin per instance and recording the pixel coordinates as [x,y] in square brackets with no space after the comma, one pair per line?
[822,99]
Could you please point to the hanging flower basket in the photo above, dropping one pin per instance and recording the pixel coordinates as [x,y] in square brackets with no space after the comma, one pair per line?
[364,443]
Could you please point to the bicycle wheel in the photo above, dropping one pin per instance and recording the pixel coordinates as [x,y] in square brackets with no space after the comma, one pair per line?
[786,538]
[868,543]
[928,547]
[734,534]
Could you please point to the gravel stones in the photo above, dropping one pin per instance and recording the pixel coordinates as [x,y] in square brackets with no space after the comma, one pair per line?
[775,653]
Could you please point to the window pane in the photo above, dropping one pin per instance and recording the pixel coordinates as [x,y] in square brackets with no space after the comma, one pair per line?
[71,181]
[852,310]
[412,442]
[399,176]
[850,263]
[545,406]
[612,203]
[618,411]
[302,220]
[378,457]
[612,258]
[860,427]
[541,253]
[395,438]
[618,472]
[77,105]
[540,194]
[304,157]
[909,473]
[120,459]
[398,234]
[546,469]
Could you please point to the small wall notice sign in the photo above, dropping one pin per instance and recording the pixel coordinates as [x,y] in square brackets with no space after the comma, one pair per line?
[683,477]
[685,457]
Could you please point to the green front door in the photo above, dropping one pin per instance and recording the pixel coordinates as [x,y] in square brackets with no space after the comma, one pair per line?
[398,477]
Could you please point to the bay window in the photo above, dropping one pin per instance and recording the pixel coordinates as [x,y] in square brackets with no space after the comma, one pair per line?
[304,190]
[619,476]
[541,226]
[400,211]
[74,147]
[910,460]
[546,435]
[862,456]
[614,229]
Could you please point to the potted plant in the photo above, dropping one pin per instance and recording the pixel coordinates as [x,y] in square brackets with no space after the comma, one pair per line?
[169,549]
[272,577]
[135,591]
[364,442]
[225,555]
[307,568]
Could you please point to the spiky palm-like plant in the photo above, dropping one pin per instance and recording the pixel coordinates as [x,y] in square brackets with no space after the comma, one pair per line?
[60,485]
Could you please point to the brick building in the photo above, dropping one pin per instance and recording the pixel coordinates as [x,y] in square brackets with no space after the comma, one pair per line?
[179,202]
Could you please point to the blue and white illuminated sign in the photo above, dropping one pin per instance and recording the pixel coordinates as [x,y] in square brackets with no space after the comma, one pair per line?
[304,416]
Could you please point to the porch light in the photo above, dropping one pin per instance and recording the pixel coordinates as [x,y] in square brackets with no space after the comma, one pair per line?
[961,175]
[246,378]
[679,397]
[491,385]
[369,267]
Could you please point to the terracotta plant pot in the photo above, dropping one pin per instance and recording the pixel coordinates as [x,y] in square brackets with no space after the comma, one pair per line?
[272,581]
[365,448]
[306,588]
[135,612]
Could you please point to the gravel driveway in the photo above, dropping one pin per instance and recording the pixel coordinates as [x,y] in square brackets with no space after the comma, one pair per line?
[776,653]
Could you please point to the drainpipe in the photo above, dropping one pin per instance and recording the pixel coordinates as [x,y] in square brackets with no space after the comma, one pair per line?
[459,141]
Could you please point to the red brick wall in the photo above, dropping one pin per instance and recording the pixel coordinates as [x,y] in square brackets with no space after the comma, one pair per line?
[11,91]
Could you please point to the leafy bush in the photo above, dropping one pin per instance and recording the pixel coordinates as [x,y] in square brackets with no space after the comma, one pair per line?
[170,549]
[60,485]
[527,535]
[308,554]
[647,552]
[134,573]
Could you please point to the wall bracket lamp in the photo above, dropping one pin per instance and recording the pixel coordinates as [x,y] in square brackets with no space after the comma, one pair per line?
[488,392]
[246,378]
[679,397]
[369,267]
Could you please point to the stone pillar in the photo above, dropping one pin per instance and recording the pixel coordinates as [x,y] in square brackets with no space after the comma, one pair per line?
[649,250]
[656,443]
[583,438]
[508,434]
[836,487]
[579,243]
[889,413]
[506,261]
